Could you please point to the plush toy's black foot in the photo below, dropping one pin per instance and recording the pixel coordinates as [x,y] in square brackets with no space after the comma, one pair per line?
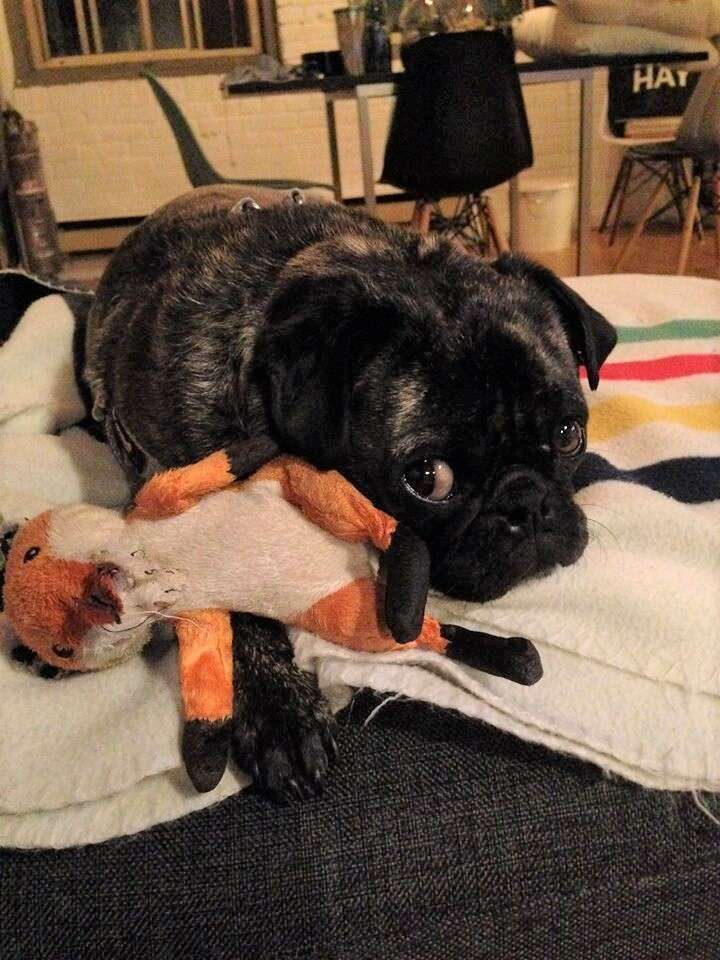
[46,671]
[406,571]
[282,729]
[205,751]
[512,658]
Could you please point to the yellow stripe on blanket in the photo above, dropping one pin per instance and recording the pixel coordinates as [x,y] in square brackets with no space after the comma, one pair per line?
[624,412]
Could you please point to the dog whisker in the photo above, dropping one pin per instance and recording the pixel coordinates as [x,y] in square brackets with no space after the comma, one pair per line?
[606,529]
[128,629]
[174,617]
[585,504]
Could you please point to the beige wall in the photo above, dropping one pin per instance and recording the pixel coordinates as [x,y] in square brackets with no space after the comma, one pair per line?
[109,153]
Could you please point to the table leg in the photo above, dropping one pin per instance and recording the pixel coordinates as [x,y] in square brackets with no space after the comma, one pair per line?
[363,109]
[333,144]
[585,174]
[514,200]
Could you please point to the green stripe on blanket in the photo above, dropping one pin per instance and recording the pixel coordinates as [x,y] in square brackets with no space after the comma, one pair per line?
[671,330]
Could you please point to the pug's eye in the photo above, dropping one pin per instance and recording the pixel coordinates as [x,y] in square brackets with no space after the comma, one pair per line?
[432,479]
[31,554]
[570,438]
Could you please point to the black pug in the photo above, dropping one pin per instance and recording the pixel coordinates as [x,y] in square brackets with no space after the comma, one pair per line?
[443,387]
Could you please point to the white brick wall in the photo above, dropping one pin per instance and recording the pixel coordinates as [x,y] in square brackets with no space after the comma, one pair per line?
[108,151]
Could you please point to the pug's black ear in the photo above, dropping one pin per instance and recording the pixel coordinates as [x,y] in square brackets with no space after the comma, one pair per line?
[590,335]
[323,330]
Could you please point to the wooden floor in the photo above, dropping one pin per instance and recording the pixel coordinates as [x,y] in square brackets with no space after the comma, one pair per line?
[656,252]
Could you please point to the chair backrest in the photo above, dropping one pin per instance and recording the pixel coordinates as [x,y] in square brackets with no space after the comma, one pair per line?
[646,90]
[699,131]
[200,171]
[459,124]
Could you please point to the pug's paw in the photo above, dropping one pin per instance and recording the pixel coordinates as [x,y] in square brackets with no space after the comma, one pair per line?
[286,744]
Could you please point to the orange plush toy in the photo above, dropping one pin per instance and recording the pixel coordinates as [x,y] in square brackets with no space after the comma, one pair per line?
[293,543]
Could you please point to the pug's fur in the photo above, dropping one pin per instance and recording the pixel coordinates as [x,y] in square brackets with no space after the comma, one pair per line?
[362,347]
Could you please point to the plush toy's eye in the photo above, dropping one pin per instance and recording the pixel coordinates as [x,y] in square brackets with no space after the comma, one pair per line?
[63,652]
[570,438]
[430,479]
[31,554]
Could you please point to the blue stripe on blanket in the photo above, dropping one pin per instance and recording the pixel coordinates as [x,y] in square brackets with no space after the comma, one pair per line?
[687,479]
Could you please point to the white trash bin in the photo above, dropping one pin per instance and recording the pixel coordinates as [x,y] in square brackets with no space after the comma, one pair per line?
[547,213]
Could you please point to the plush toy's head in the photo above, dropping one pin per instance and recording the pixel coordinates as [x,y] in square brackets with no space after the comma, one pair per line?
[67,611]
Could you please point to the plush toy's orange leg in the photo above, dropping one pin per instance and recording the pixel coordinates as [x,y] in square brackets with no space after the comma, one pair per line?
[205,657]
[205,640]
[331,502]
[174,491]
[349,617]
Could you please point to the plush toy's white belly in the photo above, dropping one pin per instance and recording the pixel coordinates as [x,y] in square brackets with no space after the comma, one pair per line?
[246,550]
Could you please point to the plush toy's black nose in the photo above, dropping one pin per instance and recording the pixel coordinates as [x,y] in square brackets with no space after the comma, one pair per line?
[63,652]
[521,496]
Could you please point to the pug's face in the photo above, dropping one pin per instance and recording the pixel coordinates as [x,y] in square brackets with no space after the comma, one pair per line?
[476,453]
[447,390]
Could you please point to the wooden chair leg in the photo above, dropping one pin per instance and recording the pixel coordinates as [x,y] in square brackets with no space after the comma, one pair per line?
[498,237]
[686,184]
[620,205]
[691,213]
[613,194]
[639,226]
[421,216]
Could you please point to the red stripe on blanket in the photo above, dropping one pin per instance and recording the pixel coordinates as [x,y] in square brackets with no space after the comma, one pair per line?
[666,368]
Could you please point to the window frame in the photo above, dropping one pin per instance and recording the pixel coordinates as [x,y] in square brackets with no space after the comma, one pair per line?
[34,65]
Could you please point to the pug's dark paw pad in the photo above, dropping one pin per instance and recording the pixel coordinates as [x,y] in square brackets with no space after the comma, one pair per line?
[205,751]
[294,765]
[287,747]
[29,659]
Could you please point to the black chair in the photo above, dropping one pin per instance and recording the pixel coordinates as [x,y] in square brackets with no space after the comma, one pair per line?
[200,171]
[633,96]
[697,143]
[459,128]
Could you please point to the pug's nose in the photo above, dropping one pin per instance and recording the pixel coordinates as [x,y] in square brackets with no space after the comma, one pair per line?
[521,497]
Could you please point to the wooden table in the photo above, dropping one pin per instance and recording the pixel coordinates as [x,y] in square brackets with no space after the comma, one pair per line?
[556,70]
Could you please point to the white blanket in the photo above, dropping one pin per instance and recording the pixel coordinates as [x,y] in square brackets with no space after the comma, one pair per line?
[630,636]
[553,32]
[685,18]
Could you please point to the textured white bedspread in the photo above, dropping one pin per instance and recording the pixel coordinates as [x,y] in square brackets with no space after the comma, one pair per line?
[630,636]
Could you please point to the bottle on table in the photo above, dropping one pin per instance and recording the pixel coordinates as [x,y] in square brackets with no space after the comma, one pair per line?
[376,38]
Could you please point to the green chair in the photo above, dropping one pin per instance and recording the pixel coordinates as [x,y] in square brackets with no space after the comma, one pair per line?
[200,171]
